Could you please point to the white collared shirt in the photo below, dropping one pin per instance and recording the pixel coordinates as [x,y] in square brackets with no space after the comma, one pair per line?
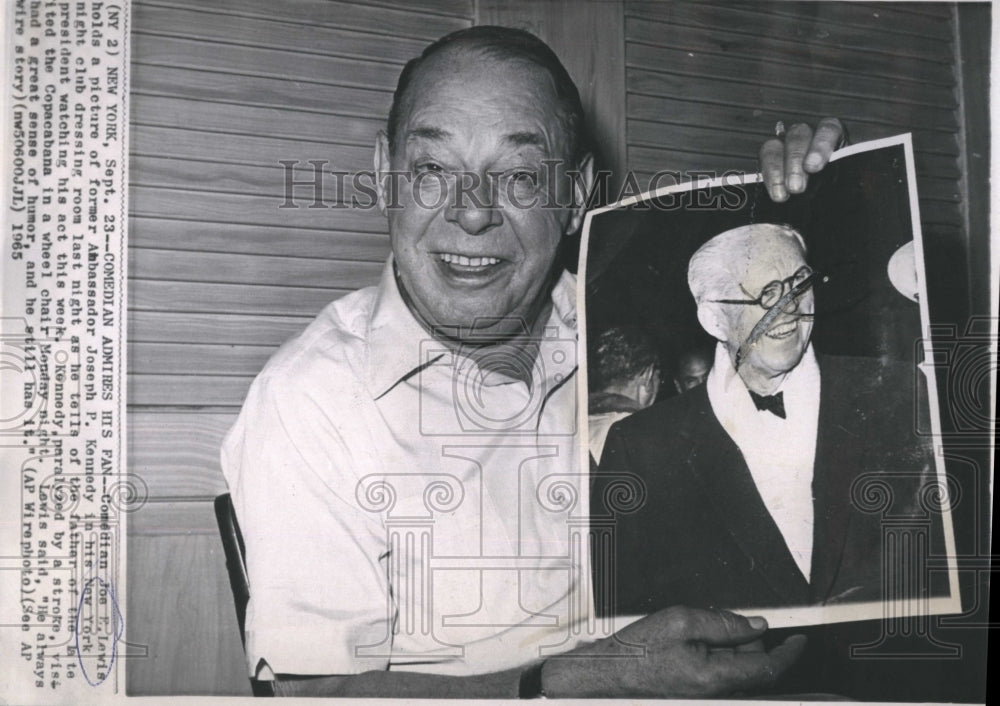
[402,509]
[780,453]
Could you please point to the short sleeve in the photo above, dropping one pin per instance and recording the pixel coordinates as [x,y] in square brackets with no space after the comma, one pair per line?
[318,586]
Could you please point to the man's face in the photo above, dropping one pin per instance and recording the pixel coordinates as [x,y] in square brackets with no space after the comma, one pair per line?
[772,257]
[691,372]
[475,257]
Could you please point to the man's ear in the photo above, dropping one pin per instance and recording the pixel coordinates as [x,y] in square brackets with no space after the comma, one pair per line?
[583,184]
[713,320]
[381,164]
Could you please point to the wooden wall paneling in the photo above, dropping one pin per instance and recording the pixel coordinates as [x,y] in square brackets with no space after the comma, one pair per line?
[589,38]
[180,606]
[411,22]
[210,297]
[205,55]
[225,29]
[302,96]
[238,329]
[198,358]
[178,452]
[168,233]
[816,26]
[202,204]
[187,391]
[284,123]
[646,36]
[228,268]
[184,142]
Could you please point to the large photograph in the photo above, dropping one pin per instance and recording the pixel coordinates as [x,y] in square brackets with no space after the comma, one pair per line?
[406,501]
[786,466]
[358,348]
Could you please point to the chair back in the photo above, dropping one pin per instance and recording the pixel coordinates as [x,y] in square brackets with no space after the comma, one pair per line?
[232,545]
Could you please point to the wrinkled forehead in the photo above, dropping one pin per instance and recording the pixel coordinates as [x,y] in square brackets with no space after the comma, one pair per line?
[769,255]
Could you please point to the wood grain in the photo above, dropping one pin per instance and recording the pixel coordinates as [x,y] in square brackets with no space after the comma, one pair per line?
[727,41]
[226,119]
[212,297]
[177,453]
[149,390]
[239,329]
[181,608]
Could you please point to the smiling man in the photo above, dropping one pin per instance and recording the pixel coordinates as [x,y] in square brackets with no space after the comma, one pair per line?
[407,471]
[755,471]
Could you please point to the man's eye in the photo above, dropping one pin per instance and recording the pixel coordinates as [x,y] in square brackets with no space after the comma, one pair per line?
[431,167]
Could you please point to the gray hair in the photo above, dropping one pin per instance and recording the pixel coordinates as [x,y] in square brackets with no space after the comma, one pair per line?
[708,276]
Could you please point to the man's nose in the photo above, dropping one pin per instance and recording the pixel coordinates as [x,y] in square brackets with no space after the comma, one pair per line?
[474,207]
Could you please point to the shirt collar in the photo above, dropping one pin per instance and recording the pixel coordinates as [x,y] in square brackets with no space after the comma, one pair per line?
[730,397]
[397,345]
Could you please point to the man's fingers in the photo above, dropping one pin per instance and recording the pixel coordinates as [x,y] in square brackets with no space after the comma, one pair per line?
[721,628]
[797,144]
[747,670]
[824,142]
[772,167]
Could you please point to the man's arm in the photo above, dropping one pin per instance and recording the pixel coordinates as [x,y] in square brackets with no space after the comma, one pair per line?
[687,653]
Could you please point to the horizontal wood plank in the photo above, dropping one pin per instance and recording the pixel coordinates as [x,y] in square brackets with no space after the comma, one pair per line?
[197,358]
[815,30]
[228,119]
[450,8]
[180,610]
[334,13]
[302,181]
[325,101]
[263,151]
[187,390]
[196,236]
[250,31]
[762,116]
[657,135]
[177,453]
[727,41]
[645,88]
[880,17]
[159,518]
[237,329]
[646,63]
[190,204]
[182,266]
[156,295]
[156,50]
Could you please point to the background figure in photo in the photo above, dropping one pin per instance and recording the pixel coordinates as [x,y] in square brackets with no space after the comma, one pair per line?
[623,372]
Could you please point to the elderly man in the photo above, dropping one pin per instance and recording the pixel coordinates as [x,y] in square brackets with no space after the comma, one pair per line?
[407,470]
[752,472]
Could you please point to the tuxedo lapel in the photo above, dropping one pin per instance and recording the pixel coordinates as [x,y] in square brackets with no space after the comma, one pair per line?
[717,465]
[840,446]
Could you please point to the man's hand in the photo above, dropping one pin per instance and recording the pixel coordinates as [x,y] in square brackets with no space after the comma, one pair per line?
[689,653]
[786,164]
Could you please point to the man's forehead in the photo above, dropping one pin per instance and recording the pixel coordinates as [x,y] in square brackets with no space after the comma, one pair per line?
[463,89]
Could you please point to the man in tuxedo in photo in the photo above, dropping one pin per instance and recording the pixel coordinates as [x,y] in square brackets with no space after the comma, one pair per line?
[755,481]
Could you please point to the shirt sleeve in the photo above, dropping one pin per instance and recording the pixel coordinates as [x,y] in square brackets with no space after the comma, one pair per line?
[319,597]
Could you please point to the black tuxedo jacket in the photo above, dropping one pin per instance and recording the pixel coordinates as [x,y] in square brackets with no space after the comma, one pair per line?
[702,535]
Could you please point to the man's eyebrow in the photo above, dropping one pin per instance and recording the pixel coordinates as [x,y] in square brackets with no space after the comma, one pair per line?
[525,139]
[427,133]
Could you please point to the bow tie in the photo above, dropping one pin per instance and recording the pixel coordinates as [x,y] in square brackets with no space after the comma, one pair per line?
[775,404]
